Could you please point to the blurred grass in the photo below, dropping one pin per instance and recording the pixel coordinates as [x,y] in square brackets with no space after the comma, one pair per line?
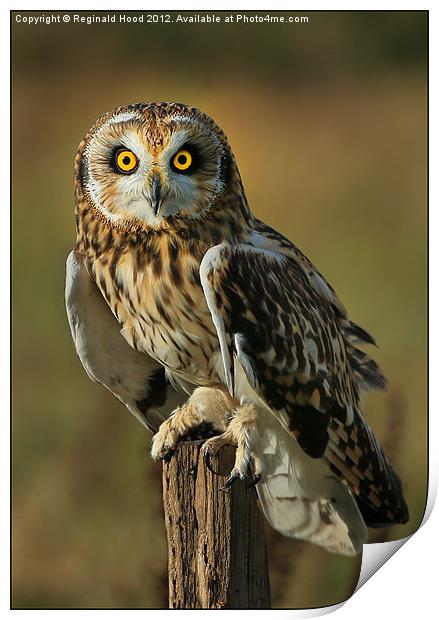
[328,124]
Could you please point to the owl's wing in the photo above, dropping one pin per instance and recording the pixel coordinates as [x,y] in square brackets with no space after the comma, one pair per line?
[286,338]
[301,497]
[135,379]
[288,342]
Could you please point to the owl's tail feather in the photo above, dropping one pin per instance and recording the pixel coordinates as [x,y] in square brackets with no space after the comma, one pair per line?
[302,498]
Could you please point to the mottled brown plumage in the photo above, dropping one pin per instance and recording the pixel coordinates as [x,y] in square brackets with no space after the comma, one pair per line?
[219,299]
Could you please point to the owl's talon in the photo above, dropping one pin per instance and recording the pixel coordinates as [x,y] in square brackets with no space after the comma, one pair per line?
[241,432]
[189,423]
[256,479]
[212,446]
[163,452]
[233,478]
[207,457]
[168,456]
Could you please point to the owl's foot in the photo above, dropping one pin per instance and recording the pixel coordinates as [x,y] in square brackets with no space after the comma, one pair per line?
[206,413]
[171,431]
[241,432]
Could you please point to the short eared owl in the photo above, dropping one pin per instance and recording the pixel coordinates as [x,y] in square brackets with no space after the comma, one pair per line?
[174,287]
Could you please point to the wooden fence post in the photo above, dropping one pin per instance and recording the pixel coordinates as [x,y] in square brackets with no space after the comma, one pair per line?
[217,554]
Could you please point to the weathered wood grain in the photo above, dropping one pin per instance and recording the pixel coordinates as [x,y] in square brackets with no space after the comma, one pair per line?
[216,544]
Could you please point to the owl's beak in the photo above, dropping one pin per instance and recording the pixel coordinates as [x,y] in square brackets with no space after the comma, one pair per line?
[155,194]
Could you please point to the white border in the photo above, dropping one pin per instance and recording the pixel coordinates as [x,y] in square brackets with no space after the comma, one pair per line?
[406,585]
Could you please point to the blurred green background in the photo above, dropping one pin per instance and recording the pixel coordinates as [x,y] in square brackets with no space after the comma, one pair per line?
[328,123]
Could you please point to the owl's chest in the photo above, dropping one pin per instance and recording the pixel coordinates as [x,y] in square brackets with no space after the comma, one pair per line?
[161,305]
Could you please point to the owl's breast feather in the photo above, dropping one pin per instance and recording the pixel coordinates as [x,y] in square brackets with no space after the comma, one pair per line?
[162,310]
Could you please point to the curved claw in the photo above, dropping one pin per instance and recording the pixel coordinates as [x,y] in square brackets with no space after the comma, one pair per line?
[167,457]
[229,482]
[254,482]
[207,457]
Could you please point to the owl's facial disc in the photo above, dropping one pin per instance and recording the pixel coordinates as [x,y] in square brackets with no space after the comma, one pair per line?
[139,172]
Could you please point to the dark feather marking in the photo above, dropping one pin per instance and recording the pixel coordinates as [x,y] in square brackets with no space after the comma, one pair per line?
[157,392]
[357,332]
[376,485]
[310,428]
[162,312]
[174,263]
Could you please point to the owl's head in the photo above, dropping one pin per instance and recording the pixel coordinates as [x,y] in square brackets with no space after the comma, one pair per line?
[146,163]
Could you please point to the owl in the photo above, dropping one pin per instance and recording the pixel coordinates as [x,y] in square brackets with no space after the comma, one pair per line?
[197,315]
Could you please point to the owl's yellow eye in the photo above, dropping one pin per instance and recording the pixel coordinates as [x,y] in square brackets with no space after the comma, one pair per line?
[126,161]
[182,160]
